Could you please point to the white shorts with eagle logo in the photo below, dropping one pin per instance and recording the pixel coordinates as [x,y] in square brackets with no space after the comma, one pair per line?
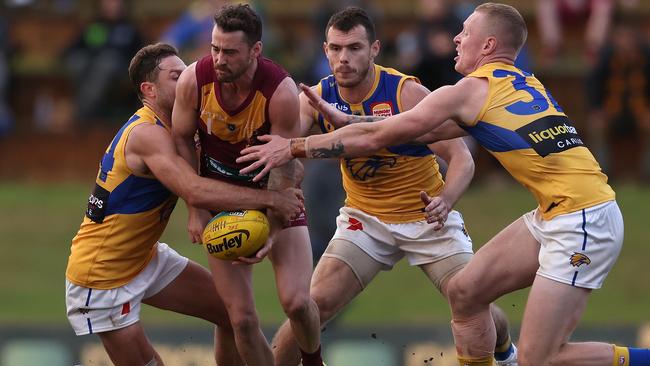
[578,248]
[95,311]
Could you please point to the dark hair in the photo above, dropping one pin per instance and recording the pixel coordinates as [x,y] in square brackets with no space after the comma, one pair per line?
[349,18]
[509,21]
[144,65]
[232,18]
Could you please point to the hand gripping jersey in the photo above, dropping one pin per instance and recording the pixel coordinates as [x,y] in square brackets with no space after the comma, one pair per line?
[386,185]
[224,133]
[126,216]
[527,131]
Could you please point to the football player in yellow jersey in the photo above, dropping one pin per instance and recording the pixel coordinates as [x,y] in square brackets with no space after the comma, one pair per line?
[116,262]
[382,220]
[563,249]
[230,97]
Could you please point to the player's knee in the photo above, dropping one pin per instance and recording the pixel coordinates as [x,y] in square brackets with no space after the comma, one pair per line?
[244,322]
[326,306]
[460,295]
[296,307]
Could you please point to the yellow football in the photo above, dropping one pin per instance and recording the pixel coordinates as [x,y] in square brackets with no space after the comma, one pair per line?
[233,234]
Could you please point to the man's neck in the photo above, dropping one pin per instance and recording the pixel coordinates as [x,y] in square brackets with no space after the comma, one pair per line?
[503,57]
[356,94]
[163,116]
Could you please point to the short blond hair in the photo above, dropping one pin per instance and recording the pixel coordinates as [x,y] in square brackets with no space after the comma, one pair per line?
[507,22]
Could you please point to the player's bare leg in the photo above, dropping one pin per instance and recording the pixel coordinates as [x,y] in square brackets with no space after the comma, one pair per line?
[441,271]
[180,296]
[237,294]
[333,286]
[129,346]
[552,312]
[473,288]
[292,262]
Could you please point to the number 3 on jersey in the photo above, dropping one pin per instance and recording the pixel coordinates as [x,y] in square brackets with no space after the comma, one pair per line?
[537,105]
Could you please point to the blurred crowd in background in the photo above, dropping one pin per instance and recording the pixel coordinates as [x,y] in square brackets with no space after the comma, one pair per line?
[63,63]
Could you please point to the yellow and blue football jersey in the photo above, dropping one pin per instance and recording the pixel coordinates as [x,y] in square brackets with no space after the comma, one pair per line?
[527,131]
[126,216]
[386,185]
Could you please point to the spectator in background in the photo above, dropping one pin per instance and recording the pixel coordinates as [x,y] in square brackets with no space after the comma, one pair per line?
[191,32]
[428,50]
[6,117]
[619,95]
[554,15]
[97,60]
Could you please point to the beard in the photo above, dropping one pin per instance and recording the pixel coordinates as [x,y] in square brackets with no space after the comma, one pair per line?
[228,75]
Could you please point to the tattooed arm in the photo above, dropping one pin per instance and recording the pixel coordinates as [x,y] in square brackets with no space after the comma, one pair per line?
[461,103]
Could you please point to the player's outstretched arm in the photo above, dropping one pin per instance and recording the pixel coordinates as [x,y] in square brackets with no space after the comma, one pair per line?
[461,103]
[150,151]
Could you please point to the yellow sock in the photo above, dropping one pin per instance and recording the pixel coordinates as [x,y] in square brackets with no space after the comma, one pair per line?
[466,361]
[621,356]
[503,347]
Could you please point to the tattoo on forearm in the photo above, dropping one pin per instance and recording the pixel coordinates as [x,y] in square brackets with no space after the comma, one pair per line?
[357,119]
[335,151]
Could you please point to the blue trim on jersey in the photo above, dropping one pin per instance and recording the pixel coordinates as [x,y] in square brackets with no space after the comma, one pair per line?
[109,159]
[639,356]
[575,275]
[88,298]
[410,150]
[90,326]
[495,138]
[135,195]
[159,123]
[584,230]
[385,92]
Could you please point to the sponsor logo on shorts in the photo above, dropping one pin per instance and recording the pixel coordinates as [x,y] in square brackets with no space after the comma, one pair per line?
[464,230]
[354,224]
[578,259]
[382,109]
[84,311]
[550,135]
[126,308]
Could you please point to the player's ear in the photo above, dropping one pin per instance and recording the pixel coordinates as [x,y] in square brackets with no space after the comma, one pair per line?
[325,47]
[148,89]
[257,49]
[374,48]
[490,45]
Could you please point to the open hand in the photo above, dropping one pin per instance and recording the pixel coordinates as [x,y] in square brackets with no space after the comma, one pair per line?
[276,152]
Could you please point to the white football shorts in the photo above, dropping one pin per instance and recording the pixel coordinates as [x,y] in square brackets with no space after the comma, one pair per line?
[417,241]
[95,311]
[578,248]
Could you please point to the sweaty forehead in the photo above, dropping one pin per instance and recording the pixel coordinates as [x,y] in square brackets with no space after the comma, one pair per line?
[355,35]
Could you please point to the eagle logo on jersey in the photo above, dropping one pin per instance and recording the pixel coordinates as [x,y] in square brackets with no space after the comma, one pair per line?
[362,169]
[578,259]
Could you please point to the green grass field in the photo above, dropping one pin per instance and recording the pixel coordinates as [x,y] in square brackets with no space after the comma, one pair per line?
[38,221]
